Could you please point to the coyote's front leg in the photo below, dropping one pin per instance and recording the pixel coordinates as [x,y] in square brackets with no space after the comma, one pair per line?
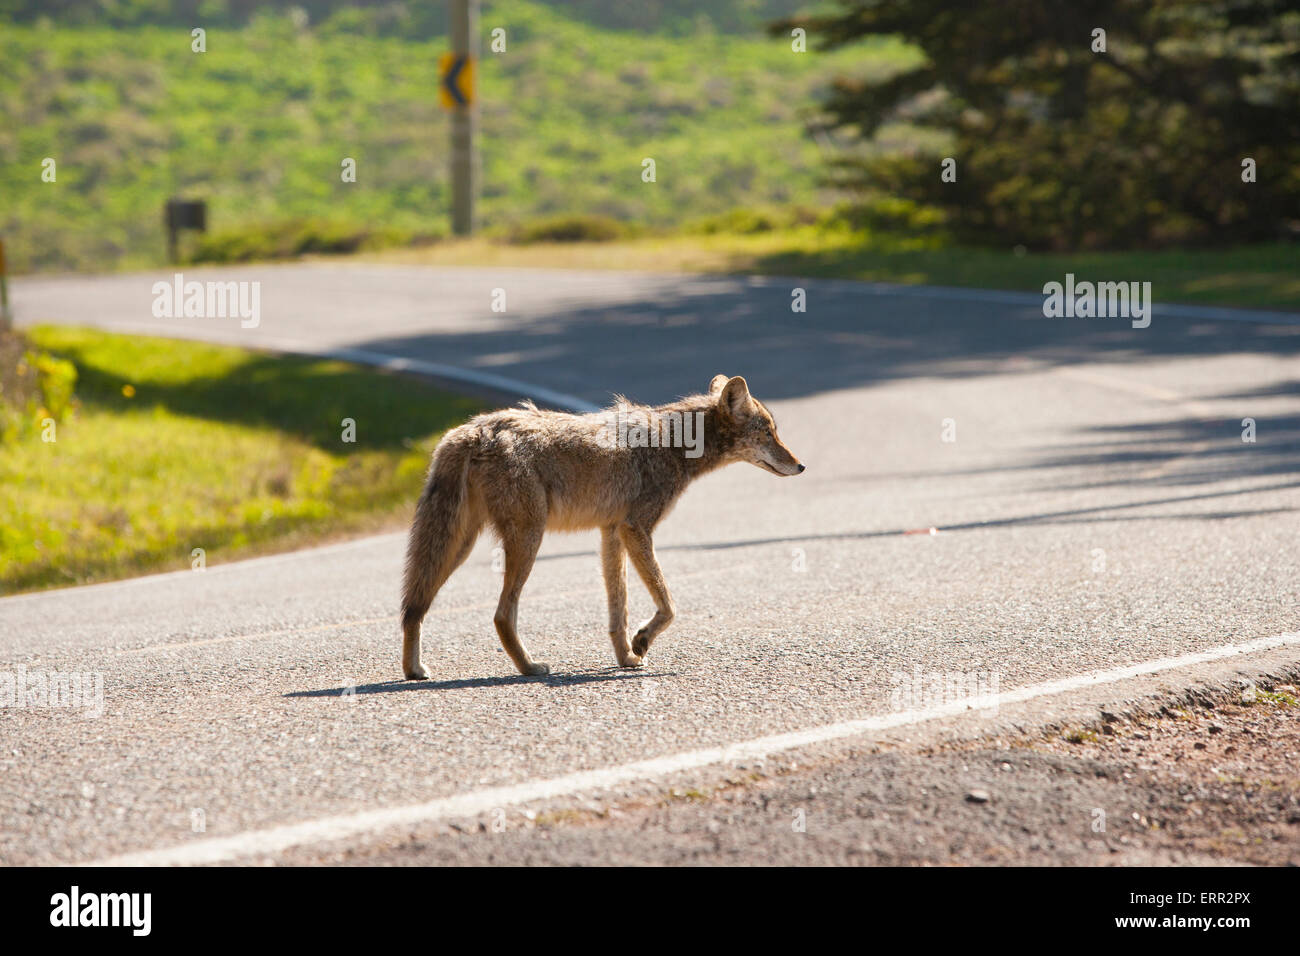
[614,562]
[642,552]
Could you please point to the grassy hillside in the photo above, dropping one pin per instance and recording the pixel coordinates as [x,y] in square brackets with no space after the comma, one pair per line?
[260,123]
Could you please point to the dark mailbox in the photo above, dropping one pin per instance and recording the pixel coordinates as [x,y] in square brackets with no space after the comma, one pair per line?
[184,214]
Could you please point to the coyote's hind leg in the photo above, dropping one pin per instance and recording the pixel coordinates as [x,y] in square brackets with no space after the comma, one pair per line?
[424,578]
[520,545]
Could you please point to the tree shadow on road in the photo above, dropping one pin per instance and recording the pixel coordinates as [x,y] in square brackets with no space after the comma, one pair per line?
[671,340]
[1093,515]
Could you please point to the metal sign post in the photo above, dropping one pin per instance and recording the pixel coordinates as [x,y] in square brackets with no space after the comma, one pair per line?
[457,94]
[6,317]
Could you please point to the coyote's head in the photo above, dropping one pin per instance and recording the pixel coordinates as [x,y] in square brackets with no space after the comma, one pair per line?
[750,431]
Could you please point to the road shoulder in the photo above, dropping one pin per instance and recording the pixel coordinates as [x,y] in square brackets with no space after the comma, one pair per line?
[1199,767]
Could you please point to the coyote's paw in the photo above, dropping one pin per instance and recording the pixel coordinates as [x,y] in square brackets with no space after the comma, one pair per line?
[418,672]
[537,669]
[632,660]
[640,644]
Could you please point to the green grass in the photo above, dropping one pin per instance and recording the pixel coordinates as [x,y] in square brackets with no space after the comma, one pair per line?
[178,445]
[1274,698]
[1264,276]
[260,123]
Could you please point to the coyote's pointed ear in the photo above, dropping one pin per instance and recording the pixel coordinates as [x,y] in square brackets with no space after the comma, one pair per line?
[715,386]
[734,397]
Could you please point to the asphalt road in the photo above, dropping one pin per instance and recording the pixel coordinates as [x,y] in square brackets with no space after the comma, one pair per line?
[1098,508]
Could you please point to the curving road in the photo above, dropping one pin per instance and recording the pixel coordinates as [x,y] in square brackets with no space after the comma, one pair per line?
[1097,509]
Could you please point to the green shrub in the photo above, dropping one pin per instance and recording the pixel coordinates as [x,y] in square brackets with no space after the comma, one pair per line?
[891,214]
[747,221]
[292,238]
[34,386]
[569,229]
[56,384]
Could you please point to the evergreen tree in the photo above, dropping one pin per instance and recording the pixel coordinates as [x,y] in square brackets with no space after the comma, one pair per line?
[1061,144]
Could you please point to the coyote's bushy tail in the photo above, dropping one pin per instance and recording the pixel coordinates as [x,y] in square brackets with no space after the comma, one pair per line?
[441,535]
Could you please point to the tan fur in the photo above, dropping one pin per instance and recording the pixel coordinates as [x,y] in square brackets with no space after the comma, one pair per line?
[525,471]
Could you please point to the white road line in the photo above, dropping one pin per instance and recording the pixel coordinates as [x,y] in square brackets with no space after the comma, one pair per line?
[395,363]
[258,843]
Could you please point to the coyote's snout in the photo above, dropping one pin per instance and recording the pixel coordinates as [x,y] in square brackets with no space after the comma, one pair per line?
[524,470]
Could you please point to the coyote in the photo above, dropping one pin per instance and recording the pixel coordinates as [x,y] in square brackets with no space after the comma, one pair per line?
[526,471]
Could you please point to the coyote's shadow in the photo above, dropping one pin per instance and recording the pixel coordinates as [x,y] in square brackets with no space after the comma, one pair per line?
[571,679]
